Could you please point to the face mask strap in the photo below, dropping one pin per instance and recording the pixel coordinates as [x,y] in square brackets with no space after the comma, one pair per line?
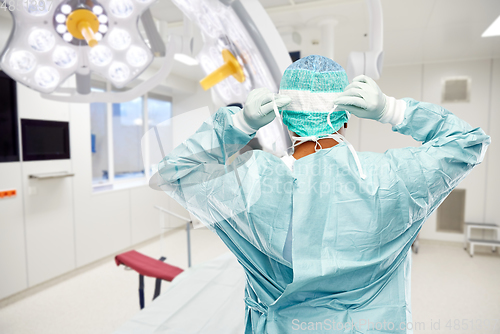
[301,140]
[280,116]
[328,118]
[356,159]
[275,107]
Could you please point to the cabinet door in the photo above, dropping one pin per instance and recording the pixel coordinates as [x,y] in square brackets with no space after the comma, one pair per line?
[49,221]
[12,244]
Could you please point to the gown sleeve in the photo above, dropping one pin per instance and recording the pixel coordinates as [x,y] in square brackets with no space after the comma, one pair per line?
[450,149]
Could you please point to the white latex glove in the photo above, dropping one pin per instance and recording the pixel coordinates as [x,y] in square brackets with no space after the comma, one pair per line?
[364,99]
[258,110]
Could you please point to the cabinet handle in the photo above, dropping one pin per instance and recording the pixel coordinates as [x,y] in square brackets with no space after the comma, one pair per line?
[51,175]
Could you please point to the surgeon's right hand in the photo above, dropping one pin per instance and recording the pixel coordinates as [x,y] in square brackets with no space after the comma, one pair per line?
[258,109]
[364,99]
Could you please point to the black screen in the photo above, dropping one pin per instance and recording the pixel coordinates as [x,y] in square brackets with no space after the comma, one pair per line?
[9,135]
[45,140]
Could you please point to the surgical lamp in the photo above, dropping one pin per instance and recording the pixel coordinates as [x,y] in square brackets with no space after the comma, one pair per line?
[51,41]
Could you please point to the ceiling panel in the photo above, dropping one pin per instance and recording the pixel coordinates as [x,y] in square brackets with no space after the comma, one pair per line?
[403,46]
[274,3]
[406,14]
[463,12]
[298,16]
[456,42]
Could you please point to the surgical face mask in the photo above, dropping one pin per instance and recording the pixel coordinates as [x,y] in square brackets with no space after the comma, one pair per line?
[312,114]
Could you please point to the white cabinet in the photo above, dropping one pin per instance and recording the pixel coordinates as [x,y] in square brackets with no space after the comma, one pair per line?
[48,203]
[13,276]
[49,221]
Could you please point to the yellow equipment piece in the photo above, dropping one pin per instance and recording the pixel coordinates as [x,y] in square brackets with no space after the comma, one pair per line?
[83,24]
[231,67]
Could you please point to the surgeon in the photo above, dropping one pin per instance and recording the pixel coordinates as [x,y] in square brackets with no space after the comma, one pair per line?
[323,235]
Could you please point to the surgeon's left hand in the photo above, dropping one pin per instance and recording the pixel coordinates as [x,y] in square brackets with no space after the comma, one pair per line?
[364,99]
[258,110]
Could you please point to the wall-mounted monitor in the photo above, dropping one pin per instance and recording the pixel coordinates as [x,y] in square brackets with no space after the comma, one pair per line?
[44,140]
[9,133]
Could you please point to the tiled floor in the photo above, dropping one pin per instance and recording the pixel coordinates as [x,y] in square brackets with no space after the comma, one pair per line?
[447,285]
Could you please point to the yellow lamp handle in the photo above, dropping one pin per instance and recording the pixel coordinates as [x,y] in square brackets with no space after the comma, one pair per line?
[83,24]
[87,33]
[217,76]
[231,67]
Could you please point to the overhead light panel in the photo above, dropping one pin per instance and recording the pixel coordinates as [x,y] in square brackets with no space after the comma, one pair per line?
[185,59]
[50,43]
[493,29]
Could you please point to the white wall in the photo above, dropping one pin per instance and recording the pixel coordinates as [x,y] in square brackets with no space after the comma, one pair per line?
[423,82]
[188,102]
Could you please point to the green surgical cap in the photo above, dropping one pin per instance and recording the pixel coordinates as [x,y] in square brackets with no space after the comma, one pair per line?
[313,83]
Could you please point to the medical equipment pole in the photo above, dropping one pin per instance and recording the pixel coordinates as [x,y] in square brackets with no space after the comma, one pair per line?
[188,242]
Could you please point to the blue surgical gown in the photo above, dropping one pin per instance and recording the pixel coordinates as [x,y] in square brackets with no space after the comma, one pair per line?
[349,270]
